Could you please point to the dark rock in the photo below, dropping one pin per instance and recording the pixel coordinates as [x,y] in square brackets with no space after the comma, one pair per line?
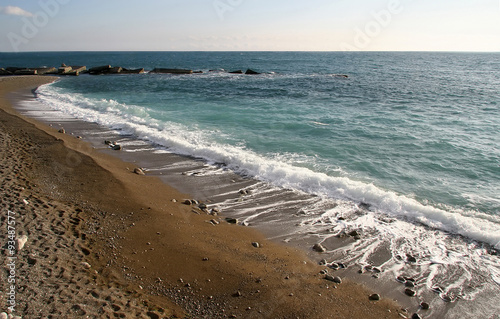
[117,148]
[354,233]
[171,71]
[109,142]
[335,279]
[437,290]
[152,315]
[62,131]
[4,72]
[251,72]
[188,202]
[374,297]
[31,261]
[256,244]
[202,206]
[26,72]
[410,292]
[116,70]
[100,70]
[237,294]
[425,306]
[416,316]
[232,220]
[334,266]
[236,72]
[319,248]
[410,284]
[198,72]
[132,71]
[401,279]
[446,298]
[139,171]
[411,259]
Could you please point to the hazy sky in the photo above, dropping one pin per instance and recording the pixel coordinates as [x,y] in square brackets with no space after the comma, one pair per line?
[246,25]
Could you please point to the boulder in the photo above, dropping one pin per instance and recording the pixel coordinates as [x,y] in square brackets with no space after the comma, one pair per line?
[251,72]
[4,72]
[100,70]
[64,69]
[171,71]
[132,71]
[116,70]
[26,72]
[42,71]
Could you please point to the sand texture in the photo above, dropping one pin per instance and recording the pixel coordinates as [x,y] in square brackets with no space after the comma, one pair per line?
[105,242]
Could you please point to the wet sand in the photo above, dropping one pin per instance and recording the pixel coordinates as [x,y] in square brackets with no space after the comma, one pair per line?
[105,242]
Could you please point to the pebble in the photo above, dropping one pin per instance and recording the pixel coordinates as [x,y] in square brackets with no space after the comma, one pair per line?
[319,248]
[62,131]
[86,265]
[21,241]
[187,202]
[117,148]
[416,316]
[334,266]
[410,292]
[214,222]
[335,279]
[424,305]
[256,244]
[374,297]
[409,284]
[232,220]
[139,171]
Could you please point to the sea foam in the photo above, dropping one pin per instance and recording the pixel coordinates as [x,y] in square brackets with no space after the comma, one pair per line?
[132,119]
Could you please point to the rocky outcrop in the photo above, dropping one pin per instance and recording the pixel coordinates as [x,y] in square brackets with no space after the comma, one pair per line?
[105,69]
[171,71]
[132,71]
[4,72]
[251,72]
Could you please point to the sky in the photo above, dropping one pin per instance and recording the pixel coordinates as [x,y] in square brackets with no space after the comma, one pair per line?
[249,25]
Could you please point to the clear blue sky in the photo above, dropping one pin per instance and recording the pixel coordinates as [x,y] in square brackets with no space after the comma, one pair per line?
[246,25]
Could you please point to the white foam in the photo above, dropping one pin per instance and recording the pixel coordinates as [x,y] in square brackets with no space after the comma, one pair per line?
[182,140]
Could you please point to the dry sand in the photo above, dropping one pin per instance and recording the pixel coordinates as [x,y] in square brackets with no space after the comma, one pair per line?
[104,242]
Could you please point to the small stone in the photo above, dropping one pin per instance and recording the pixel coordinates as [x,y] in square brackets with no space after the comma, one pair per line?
[322,262]
[401,279]
[237,294]
[174,200]
[376,270]
[334,266]
[21,241]
[188,202]
[243,192]
[425,306]
[139,171]
[324,272]
[354,233]
[202,206]
[117,148]
[256,244]
[214,222]
[411,259]
[335,279]
[416,316]
[205,259]
[86,265]
[410,292]
[446,298]
[62,131]
[374,297]
[409,284]
[31,260]
[232,220]
[319,248]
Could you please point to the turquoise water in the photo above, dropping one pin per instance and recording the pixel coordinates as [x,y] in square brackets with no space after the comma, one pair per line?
[413,134]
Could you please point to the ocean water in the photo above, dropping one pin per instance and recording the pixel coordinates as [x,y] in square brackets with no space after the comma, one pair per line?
[410,139]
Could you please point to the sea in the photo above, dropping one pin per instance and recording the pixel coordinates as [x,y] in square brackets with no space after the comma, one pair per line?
[388,159]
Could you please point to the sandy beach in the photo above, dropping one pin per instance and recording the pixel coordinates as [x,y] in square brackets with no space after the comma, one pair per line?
[104,242]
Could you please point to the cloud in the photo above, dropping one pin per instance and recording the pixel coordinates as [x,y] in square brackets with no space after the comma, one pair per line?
[15,11]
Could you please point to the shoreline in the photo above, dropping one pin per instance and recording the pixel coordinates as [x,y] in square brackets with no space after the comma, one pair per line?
[222,273]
